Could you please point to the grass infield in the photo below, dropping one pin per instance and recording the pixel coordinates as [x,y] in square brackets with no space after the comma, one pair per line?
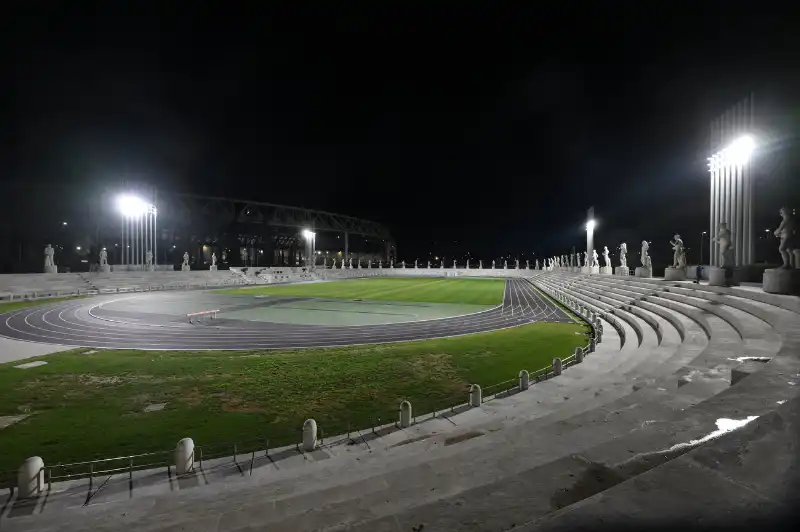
[86,403]
[430,290]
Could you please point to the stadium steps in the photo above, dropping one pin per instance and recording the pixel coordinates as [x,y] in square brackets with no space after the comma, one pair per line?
[516,474]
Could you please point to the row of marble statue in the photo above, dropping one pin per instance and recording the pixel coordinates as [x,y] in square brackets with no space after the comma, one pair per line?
[785,232]
[49,254]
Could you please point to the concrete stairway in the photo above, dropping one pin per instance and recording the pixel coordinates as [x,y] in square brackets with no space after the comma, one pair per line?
[572,448]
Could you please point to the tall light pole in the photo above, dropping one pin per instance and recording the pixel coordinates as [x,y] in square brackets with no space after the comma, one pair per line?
[310,237]
[139,224]
[732,189]
[702,236]
[591,223]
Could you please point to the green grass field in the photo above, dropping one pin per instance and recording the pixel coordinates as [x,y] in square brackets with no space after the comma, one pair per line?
[24,303]
[84,406]
[429,290]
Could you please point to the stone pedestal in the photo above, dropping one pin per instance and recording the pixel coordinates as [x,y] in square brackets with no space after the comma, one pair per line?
[622,270]
[675,274]
[105,268]
[185,268]
[716,277]
[607,270]
[150,268]
[641,271]
[594,269]
[796,253]
[213,267]
[585,269]
[51,269]
[782,281]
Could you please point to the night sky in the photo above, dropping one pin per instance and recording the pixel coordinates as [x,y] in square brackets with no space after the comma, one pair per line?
[493,128]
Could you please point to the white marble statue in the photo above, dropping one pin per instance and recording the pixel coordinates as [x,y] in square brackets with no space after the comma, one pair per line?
[391,264]
[493,265]
[351,263]
[516,263]
[429,265]
[623,255]
[723,238]
[455,264]
[579,259]
[586,258]
[148,258]
[380,264]
[527,265]
[678,252]
[480,264]
[358,261]
[213,259]
[595,262]
[606,257]
[536,264]
[441,264]
[505,264]
[224,256]
[404,265]
[564,261]
[644,257]
[49,254]
[415,263]
[103,257]
[243,255]
[786,232]
[369,263]
[185,258]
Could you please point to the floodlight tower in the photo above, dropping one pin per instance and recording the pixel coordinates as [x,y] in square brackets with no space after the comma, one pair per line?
[732,179]
[591,223]
[139,224]
[310,237]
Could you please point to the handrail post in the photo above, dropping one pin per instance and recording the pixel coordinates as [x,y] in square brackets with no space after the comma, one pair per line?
[91,473]
[130,469]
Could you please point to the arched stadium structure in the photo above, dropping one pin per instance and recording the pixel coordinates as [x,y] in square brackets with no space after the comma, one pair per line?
[80,221]
[685,413]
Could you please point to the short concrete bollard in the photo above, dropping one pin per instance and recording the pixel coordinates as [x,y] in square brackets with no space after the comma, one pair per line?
[405,414]
[557,366]
[475,395]
[578,355]
[30,477]
[184,456]
[524,380]
[309,435]
[593,345]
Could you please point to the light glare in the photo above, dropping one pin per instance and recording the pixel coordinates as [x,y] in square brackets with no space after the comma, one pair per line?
[132,206]
[590,225]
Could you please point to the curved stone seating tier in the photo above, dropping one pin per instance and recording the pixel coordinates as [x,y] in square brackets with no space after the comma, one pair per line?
[636,413]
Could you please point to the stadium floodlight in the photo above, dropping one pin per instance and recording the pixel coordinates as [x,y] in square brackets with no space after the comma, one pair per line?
[307,233]
[738,153]
[138,231]
[131,206]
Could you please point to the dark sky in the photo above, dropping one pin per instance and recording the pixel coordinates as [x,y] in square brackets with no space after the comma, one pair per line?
[494,127]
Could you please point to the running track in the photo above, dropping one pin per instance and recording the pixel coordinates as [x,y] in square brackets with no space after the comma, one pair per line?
[80,323]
